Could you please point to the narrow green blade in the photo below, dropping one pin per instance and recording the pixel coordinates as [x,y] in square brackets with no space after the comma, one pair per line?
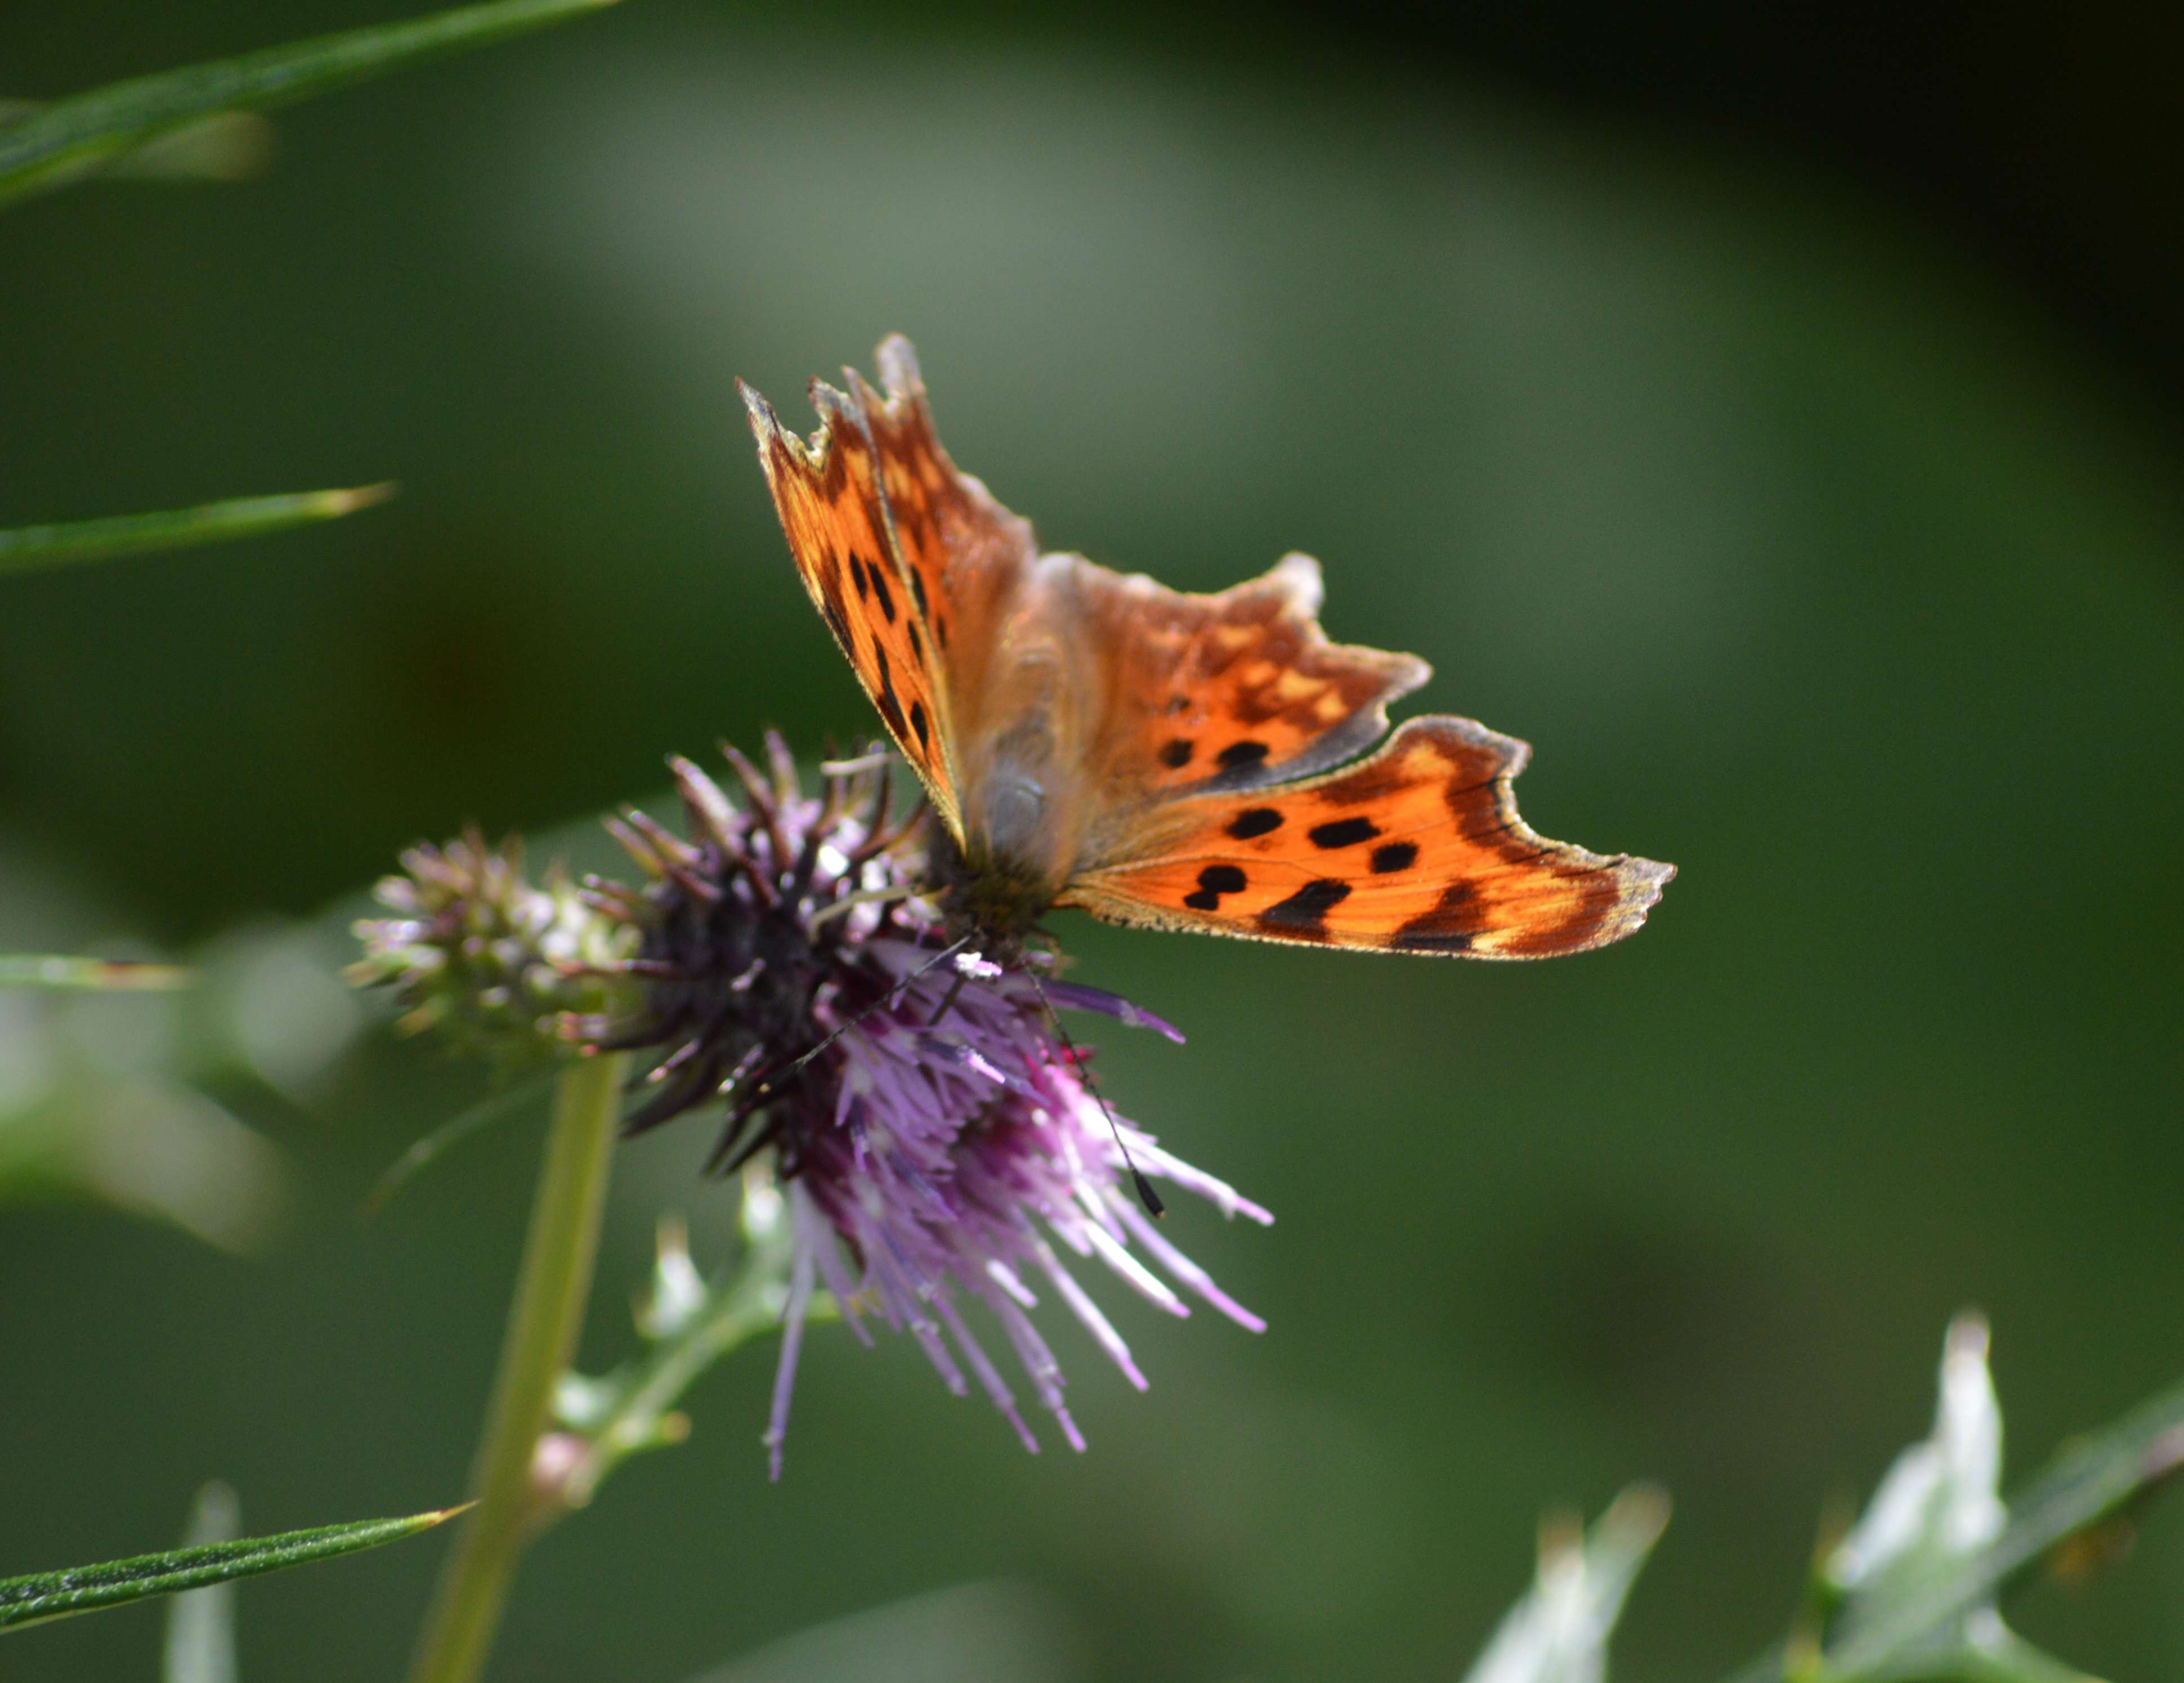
[85,1589]
[201,1623]
[27,547]
[103,975]
[227,146]
[64,140]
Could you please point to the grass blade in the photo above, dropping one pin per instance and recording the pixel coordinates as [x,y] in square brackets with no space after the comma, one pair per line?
[87,1589]
[103,975]
[228,146]
[29,547]
[72,137]
[201,1623]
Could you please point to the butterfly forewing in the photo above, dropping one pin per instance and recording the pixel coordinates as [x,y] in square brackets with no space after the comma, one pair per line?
[828,494]
[965,558]
[1417,849]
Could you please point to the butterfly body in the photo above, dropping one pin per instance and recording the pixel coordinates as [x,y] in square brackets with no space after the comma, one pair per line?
[1096,740]
[992,896]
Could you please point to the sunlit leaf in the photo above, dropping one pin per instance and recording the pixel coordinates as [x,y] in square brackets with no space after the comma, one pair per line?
[87,1589]
[1939,1503]
[27,547]
[64,140]
[1558,1633]
[100,975]
[2089,1483]
[1931,1553]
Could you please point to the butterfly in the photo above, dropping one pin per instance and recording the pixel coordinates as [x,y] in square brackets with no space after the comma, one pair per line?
[1091,739]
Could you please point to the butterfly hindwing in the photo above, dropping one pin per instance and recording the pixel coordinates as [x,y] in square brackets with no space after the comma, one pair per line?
[1228,691]
[1418,848]
[828,494]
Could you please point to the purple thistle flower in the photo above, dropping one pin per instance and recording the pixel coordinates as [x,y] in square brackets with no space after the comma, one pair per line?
[939,1142]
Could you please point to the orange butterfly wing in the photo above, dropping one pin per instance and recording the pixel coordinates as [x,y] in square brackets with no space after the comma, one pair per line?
[1417,849]
[921,634]
[966,557]
[1228,691]
[829,495]
[1245,686]
[1202,788]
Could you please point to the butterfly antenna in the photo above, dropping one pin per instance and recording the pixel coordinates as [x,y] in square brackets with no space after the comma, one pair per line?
[1147,1196]
[937,959]
[948,1000]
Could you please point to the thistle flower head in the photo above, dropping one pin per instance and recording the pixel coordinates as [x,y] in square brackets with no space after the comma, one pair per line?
[933,1134]
[480,953]
[938,1141]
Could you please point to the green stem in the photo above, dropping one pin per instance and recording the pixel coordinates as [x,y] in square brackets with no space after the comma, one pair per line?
[550,1293]
[750,1304]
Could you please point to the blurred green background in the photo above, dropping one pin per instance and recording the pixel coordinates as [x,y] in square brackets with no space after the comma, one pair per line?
[1810,540]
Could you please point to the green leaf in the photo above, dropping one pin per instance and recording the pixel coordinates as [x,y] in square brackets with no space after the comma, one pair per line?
[1938,1505]
[1558,1633]
[2001,1658]
[28,547]
[228,146]
[71,137]
[2088,1483]
[101,975]
[1939,1623]
[85,1589]
[201,1623]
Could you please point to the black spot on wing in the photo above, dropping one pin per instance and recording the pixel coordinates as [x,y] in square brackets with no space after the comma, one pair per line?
[1395,857]
[1239,754]
[887,597]
[916,645]
[1213,882]
[1176,754]
[1256,821]
[1450,927]
[1306,911]
[890,705]
[917,589]
[1343,832]
[918,723]
[857,577]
